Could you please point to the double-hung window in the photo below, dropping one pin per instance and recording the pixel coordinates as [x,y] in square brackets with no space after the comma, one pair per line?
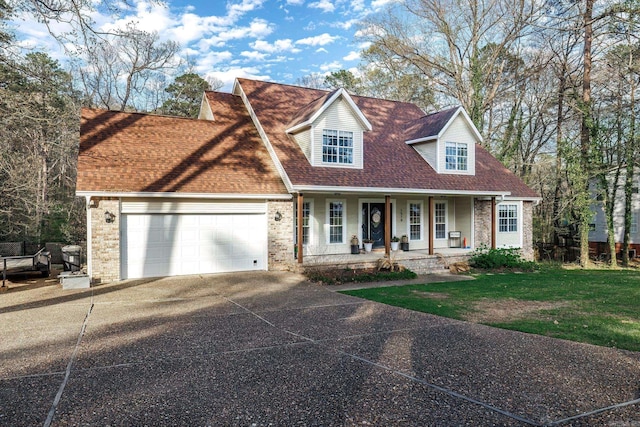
[440,220]
[508,218]
[337,147]
[336,218]
[415,221]
[456,156]
[306,214]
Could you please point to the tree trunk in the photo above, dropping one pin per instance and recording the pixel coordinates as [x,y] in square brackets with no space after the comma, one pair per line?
[630,152]
[584,212]
[557,196]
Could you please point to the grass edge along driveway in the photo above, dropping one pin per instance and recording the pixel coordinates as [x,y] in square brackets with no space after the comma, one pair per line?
[600,307]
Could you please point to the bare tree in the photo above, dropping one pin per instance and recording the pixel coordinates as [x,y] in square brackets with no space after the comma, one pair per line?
[119,70]
[460,46]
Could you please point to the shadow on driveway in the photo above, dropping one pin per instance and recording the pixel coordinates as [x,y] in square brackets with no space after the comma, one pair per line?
[273,349]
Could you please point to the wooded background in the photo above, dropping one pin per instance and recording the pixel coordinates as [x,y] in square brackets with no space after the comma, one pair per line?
[551,85]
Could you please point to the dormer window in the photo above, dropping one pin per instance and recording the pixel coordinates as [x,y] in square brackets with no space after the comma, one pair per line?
[337,147]
[456,156]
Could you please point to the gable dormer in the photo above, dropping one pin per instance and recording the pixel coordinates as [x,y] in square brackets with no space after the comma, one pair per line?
[446,140]
[330,131]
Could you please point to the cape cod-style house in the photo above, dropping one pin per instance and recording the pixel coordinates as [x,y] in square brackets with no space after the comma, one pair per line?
[233,190]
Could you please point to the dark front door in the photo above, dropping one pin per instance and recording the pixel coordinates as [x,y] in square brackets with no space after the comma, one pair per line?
[373,223]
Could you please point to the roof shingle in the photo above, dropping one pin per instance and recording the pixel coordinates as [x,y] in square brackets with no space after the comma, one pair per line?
[388,161]
[131,152]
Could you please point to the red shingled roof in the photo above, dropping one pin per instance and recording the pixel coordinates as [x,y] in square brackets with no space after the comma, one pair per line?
[130,152]
[388,161]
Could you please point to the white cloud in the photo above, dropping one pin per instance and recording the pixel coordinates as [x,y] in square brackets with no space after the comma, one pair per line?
[253,55]
[335,65]
[237,10]
[148,16]
[213,58]
[258,28]
[346,25]
[321,40]
[321,49]
[283,45]
[357,5]
[229,75]
[295,2]
[378,4]
[324,5]
[352,56]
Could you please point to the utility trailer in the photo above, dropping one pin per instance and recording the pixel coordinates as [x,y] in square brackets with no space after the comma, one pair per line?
[40,261]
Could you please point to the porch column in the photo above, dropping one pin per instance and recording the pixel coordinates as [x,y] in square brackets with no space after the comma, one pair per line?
[387,225]
[493,223]
[430,224]
[299,228]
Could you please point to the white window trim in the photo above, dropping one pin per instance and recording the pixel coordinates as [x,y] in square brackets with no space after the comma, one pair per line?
[415,202]
[457,144]
[446,220]
[518,219]
[311,228]
[634,223]
[344,221]
[353,148]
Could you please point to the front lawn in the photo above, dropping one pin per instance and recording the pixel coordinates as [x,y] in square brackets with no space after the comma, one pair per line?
[600,307]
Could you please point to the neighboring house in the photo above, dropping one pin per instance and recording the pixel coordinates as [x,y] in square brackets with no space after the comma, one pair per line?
[598,233]
[233,190]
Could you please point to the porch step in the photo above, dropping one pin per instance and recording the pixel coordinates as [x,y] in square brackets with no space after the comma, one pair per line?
[417,262]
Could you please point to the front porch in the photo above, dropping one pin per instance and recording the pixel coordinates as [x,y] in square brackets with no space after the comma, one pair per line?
[418,261]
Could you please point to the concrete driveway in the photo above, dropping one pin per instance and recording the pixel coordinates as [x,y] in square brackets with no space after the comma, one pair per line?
[271,349]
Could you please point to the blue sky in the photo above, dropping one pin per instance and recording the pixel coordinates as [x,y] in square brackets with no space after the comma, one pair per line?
[276,40]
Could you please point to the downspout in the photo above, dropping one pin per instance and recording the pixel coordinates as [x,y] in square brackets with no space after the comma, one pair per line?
[89,251]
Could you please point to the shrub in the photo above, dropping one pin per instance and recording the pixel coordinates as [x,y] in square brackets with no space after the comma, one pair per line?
[495,258]
[335,277]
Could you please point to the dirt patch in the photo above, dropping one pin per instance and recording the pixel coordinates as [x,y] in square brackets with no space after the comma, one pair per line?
[30,280]
[506,310]
[431,295]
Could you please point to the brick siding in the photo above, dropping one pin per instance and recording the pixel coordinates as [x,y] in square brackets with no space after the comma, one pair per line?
[105,241]
[280,235]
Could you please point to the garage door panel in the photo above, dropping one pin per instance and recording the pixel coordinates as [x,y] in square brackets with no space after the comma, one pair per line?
[170,244]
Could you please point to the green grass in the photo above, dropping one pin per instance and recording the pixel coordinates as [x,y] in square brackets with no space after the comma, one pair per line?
[600,307]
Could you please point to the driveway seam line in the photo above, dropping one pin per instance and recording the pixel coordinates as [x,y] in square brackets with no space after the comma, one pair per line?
[440,389]
[418,380]
[67,375]
[353,356]
[595,412]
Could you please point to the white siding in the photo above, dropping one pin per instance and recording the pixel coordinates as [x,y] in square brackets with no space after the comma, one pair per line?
[304,141]
[458,131]
[429,152]
[338,116]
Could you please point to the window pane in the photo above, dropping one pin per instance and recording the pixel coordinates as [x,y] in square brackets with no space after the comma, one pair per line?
[337,147]
[415,221]
[456,156]
[508,218]
[440,220]
[306,212]
[335,222]
[450,156]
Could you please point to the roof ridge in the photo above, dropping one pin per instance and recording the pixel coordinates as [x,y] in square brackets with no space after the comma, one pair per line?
[141,113]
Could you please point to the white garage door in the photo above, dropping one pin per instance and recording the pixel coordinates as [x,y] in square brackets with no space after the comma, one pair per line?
[177,244]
